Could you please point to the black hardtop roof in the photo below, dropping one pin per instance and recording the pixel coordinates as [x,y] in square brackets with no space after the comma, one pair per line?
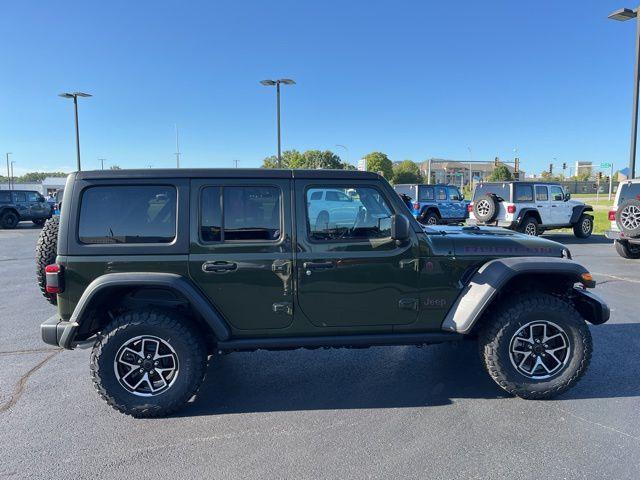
[225,173]
[19,190]
[513,182]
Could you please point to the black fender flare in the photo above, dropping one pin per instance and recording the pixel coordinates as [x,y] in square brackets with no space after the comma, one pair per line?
[171,281]
[487,282]
[427,208]
[522,214]
[577,212]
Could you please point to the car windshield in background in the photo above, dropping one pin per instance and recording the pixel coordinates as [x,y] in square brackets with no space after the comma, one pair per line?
[499,189]
[128,214]
[629,191]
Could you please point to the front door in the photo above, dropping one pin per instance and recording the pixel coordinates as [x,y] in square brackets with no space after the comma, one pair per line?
[38,207]
[561,215]
[349,271]
[241,254]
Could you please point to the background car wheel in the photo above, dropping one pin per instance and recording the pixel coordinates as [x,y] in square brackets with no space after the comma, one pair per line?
[583,227]
[530,227]
[628,218]
[39,221]
[148,363]
[627,250]
[9,220]
[46,250]
[430,218]
[485,208]
[535,346]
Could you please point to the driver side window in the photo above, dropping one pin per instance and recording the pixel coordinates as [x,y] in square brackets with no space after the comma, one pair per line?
[347,213]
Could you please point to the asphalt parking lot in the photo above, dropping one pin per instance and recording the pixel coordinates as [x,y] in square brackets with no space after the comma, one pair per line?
[382,412]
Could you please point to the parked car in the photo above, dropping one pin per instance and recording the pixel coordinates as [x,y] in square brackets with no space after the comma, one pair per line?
[435,204]
[19,205]
[625,220]
[236,260]
[529,207]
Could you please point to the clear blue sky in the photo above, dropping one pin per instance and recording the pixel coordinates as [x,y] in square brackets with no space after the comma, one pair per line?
[412,79]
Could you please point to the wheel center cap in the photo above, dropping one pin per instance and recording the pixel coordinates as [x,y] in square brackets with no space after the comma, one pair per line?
[147,365]
[538,349]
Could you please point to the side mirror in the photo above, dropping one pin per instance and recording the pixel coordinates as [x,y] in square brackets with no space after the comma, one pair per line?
[567,196]
[400,228]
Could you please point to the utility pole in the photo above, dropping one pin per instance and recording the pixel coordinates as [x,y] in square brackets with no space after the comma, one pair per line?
[9,171]
[235,163]
[102,163]
[177,147]
[13,182]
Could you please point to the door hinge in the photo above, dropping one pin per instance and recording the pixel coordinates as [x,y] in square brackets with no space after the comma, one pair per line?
[408,304]
[283,308]
[412,263]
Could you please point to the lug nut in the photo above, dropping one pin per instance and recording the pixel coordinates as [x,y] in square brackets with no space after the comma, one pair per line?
[155,363]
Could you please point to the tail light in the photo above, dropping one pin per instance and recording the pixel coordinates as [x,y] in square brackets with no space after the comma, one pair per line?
[470,208]
[416,206]
[54,278]
[511,209]
[612,215]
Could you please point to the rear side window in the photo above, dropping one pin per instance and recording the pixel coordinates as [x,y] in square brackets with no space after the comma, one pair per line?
[117,214]
[425,194]
[630,191]
[20,197]
[441,193]
[499,189]
[523,193]
[541,193]
[5,197]
[240,213]
[33,197]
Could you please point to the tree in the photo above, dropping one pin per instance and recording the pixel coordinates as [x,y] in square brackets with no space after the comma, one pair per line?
[379,162]
[290,159]
[407,172]
[500,173]
[115,167]
[310,159]
[583,174]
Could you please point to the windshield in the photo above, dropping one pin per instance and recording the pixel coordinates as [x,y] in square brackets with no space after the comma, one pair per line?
[499,189]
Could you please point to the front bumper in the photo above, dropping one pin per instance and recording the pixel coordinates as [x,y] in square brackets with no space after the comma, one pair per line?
[590,306]
[55,331]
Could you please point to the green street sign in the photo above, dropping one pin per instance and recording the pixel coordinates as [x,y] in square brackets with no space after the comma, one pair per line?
[605,165]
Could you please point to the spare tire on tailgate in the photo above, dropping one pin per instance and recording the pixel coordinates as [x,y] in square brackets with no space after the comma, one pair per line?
[46,249]
[628,218]
[485,208]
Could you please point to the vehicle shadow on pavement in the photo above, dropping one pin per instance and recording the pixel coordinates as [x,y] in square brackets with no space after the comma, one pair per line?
[570,239]
[393,377]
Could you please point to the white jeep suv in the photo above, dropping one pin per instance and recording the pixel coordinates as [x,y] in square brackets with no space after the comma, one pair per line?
[529,207]
[625,219]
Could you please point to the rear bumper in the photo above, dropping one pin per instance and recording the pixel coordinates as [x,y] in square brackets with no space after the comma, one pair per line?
[56,332]
[504,224]
[618,235]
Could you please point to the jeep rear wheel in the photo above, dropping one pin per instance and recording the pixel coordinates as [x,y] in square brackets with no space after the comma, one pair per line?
[430,218]
[627,250]
[9,220]
[148,363]
[530,227]
[583,227]
[536,346]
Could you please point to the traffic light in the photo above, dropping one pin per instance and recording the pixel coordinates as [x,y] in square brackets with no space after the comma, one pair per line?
[516,167]
[551,169]
[564,166]
[599,176]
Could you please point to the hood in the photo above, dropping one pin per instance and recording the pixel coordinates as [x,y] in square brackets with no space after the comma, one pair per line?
[497,242]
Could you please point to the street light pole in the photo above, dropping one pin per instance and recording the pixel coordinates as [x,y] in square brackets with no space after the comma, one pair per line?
[622,15]
[8,171]
[75,96]
[102,163]
[276,83]
[13,183]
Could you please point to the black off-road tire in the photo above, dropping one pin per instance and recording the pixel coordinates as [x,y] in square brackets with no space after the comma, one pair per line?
[630,224]
[9,220]
[530,226]
[46,250]
[168,326]
[627,250]
[583,228]
[507,318]
[485,208]
[430,218]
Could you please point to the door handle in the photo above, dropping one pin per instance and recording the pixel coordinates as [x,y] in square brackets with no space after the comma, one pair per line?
[317,265]
[219,267]
[554,206]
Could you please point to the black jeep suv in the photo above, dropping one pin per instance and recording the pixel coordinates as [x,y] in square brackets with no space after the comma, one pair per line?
[19,205]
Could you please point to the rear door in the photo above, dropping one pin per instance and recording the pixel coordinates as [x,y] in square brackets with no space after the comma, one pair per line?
[20,201]
[351,273]
[241,254]
[543,205]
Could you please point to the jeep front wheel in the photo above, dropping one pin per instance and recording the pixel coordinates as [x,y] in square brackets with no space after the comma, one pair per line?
[583,227]
[536,346]
[148,363]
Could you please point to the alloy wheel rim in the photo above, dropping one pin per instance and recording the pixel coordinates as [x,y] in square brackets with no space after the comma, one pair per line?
[539,349]
[530,229]
[432,221]
[483,207]
[630,217]
[146,366]
[586,225]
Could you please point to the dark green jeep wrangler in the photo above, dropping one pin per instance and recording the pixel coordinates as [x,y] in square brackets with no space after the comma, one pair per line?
[161,269]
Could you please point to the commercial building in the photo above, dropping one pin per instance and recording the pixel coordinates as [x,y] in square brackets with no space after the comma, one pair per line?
[49,185]
[459,172]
